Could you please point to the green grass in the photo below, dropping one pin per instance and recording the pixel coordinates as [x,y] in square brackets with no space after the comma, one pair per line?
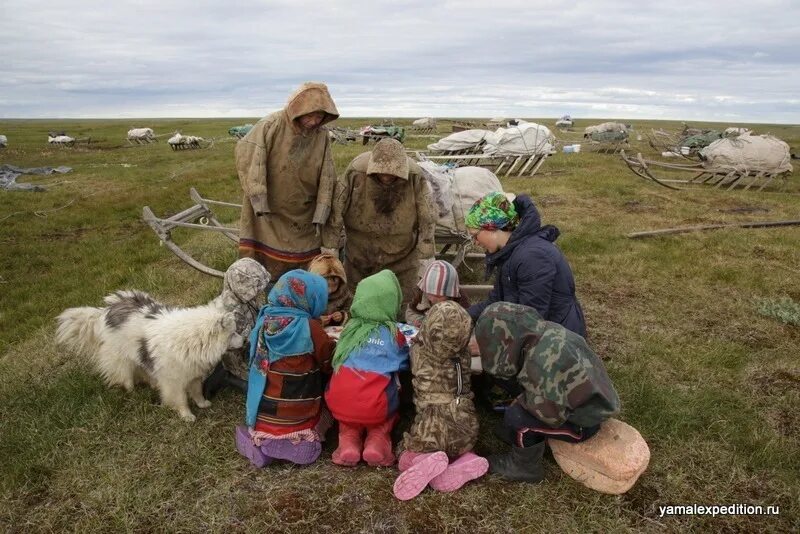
[711,383]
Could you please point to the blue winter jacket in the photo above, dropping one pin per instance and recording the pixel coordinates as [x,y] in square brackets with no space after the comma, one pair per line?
[531,270]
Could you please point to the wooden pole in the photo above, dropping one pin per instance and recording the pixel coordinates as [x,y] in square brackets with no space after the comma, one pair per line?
[686,229]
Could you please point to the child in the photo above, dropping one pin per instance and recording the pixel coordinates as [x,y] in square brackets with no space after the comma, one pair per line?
[438,283]
[289,353]
[363,391]
[446,424]
[339,296]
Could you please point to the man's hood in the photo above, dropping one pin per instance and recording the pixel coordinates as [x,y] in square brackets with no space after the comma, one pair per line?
[311,97]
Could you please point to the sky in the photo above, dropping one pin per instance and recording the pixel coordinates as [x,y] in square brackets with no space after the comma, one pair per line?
[728,61]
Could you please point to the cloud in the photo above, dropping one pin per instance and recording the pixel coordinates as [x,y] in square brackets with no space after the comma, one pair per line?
[386,58]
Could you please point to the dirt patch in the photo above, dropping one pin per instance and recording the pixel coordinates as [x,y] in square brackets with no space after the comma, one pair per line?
[776,382]
[745,209]
[550,200]
[637,206]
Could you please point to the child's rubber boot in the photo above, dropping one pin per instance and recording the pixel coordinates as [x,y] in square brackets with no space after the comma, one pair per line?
[302,453]
[378,445]
[248,449]
[413,480]
[468,466]
[348,453]
[407,459]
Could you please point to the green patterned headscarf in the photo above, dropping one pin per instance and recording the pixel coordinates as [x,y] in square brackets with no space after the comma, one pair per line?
[376,303]
[492,212]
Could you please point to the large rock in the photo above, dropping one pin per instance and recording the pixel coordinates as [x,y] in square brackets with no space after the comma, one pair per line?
[609,462]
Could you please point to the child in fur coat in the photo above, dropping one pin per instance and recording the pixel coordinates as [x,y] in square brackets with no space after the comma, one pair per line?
[339,295]
[363,393]
[445,425]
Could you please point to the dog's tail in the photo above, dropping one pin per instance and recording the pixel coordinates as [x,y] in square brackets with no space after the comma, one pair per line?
[78,329]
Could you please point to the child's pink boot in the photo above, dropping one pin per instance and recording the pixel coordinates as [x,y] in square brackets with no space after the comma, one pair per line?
[378,445]
[413,480]
[407,459]
[468,466]
[348,453]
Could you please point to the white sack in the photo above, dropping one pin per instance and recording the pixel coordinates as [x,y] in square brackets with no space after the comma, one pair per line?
[748,153]
[456,190]
[140,133]
[60,139]
[605,127]
[527,138]
[460,140]
[426,122]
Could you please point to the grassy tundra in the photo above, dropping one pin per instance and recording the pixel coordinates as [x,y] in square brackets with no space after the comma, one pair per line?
[712,385]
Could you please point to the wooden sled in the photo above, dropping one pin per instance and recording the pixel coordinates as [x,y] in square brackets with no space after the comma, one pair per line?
[198,217]
[729,178]
[499,165]
[201,217]
[194,145]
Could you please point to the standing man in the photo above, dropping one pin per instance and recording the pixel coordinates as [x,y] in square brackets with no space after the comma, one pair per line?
[384,204]
[287,175]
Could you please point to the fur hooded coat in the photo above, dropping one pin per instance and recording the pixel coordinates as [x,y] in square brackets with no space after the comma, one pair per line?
[288,176]
[387,226]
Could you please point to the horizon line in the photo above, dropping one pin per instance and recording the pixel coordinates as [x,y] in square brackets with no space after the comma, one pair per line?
[390,117]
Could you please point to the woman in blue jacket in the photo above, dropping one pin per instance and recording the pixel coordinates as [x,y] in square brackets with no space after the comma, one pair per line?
[531,270]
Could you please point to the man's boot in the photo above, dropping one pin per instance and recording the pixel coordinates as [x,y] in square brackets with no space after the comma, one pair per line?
[233,381]
[522,464]
[505,433]
[215,381]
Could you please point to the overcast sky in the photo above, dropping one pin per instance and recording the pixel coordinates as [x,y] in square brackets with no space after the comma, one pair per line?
[730,61]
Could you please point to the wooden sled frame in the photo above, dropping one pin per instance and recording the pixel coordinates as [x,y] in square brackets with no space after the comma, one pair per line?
[499,165]
[189,218]
[716,177]
[82,141]
[201,217]
[205,143]
[136,141]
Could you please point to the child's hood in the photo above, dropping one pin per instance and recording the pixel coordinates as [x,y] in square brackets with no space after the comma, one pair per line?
[445,330]
[327,265]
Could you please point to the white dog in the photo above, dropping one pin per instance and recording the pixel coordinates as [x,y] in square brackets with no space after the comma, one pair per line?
[135,336]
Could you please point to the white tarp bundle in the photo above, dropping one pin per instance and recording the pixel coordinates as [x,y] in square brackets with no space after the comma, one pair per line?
[733,131]
[605,127]
[141,133]
[460,140]
[60,139]
[3,141]
[425,122]
[456,190]
[748,153]
[566,120]
[524,139]
[179,139]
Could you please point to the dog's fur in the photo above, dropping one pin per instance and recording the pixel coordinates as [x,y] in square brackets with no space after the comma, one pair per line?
[136,337]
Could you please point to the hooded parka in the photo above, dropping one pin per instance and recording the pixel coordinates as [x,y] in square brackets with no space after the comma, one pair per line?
[288,176]
[386,226]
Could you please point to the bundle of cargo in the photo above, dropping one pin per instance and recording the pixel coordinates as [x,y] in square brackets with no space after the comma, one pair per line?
[141,136]
[187,142]
[239,131]
[727,162]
